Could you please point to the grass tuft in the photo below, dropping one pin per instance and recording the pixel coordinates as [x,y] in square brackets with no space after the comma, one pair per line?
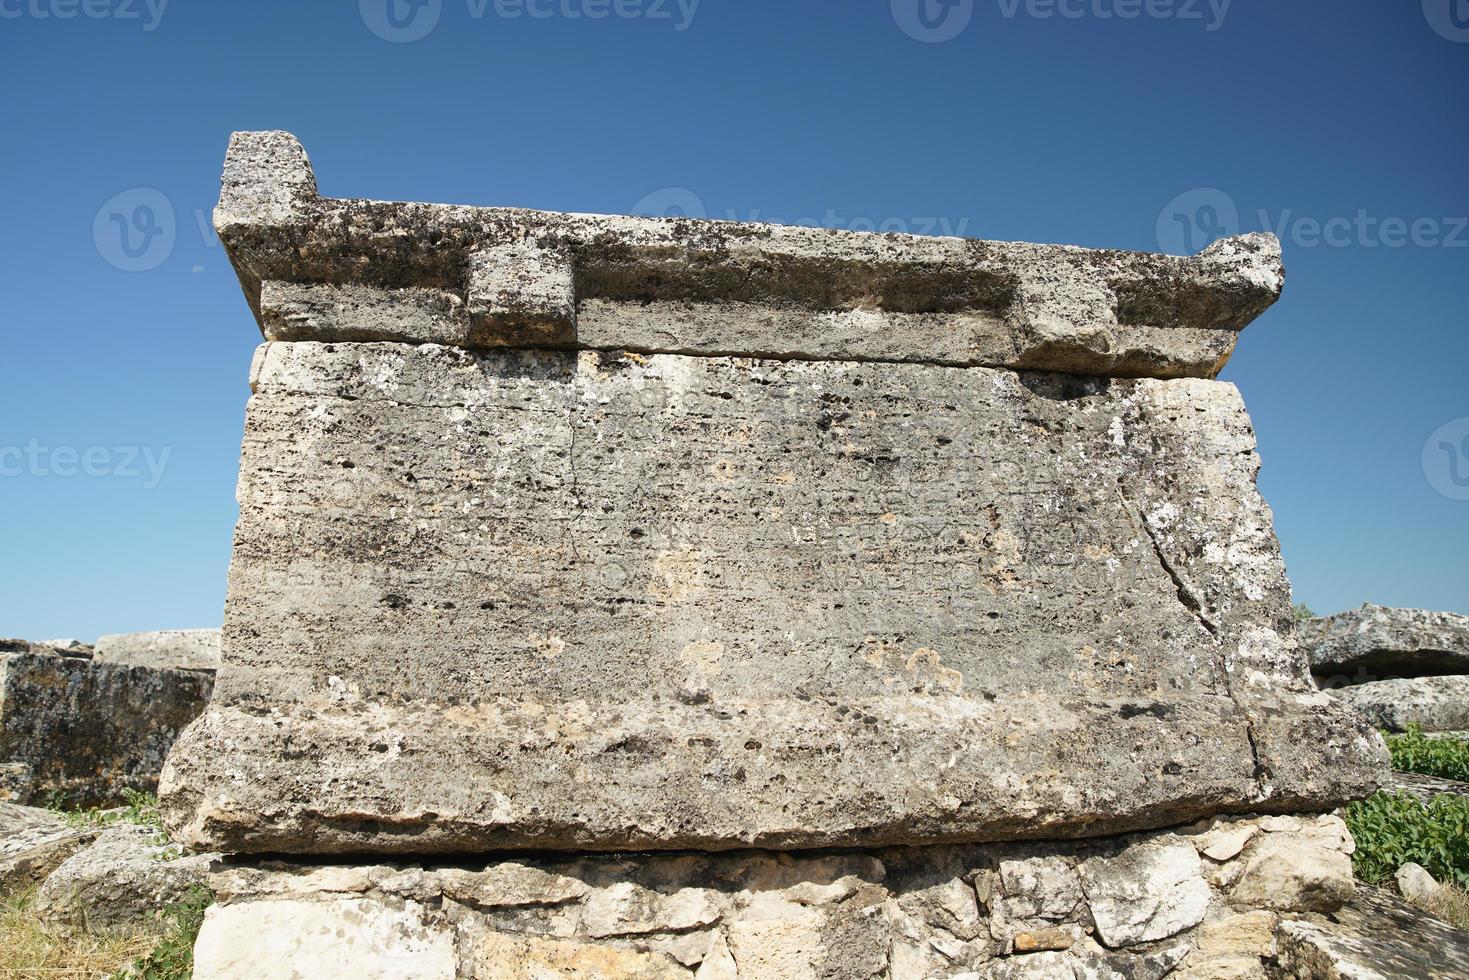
[31,950]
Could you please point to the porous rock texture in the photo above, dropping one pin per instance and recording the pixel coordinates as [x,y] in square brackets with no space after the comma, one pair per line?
[33,842]
[599,584]
[127,878]
[179,649]
[1138,908]
[79,732]
[1376,643]
[1376,936]
[1436,704]
[672,602]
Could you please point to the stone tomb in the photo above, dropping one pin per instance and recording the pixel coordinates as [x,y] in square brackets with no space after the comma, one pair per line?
[576,533]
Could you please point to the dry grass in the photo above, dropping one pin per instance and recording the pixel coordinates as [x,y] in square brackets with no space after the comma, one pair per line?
[1452,905]
[30,950]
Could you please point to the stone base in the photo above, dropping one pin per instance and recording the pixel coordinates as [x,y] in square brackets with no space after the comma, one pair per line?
[1209,900]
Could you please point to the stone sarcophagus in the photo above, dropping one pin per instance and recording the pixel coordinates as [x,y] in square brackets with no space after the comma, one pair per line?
[565,532]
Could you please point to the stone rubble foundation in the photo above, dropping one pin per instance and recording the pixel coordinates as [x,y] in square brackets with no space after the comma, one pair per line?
[1207,901]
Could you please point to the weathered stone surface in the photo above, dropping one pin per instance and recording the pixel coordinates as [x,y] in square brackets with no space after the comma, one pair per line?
[1425,787]
[125,879]
[1376,643]
[33,842]
[674,602]
[1286,873]
[180,649]
[338,270]
[896,913]
[80,732]
[1438,704]
[1152,890]
[344,939]
[1377,936]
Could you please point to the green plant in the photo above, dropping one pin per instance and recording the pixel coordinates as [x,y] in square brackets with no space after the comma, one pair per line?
[139,808]
[1392,829]
[1447,758]
[1302,612]
[172,957]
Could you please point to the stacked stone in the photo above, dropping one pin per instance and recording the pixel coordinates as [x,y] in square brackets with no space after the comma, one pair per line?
[795,586]
[1399,667]
[77,728]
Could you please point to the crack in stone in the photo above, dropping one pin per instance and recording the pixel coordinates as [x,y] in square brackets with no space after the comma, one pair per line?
[1187,595]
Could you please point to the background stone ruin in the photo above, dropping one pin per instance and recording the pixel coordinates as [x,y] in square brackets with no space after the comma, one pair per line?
[79,725]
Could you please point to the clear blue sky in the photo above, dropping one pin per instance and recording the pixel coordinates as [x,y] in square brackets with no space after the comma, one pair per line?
[985,117]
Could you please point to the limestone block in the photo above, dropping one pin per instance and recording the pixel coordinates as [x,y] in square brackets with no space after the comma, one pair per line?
[499,957]
[1438,704]
[1378,643]
[1290,874]
[176,649]
[1152,890]
[695,602]
[687,285]
[346,939]
[79,732]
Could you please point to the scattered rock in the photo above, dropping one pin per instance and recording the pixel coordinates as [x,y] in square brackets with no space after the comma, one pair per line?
[1425,787]
[126,878]
[1416,885]
[33,843]
[1376,936]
